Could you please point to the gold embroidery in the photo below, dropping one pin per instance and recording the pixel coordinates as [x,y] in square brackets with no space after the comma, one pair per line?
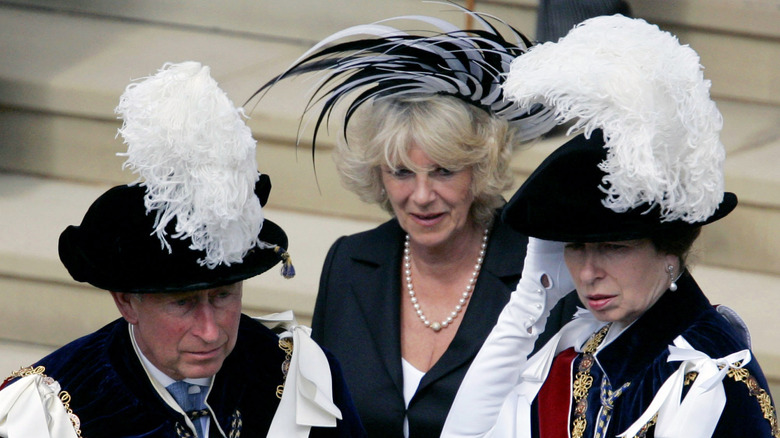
[595,340]
[286,345]
[690,377]
[738,374]
[755,390]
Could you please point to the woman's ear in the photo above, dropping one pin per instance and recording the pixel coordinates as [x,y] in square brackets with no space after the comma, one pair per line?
[126,303]
[673,260]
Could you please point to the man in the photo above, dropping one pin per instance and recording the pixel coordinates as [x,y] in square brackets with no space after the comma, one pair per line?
[173,251]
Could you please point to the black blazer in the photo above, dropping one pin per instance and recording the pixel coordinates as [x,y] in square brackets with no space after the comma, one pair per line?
[357,317]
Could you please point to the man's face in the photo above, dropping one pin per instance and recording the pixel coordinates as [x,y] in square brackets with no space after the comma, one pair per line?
[187,334]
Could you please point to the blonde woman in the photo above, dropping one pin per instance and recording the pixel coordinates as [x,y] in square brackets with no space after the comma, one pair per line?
[406,306]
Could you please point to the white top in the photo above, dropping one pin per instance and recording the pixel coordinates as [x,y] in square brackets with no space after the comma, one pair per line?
[412,378]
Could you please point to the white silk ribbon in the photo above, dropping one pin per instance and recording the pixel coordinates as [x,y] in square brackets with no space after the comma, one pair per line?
[307,400]
[31,407]
[697,415]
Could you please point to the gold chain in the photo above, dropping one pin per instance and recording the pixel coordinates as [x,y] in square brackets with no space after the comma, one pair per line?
[583,381]
[28,371]
[286,345]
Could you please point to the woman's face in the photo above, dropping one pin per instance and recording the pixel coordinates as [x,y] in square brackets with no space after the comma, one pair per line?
[431,205]
[618,281]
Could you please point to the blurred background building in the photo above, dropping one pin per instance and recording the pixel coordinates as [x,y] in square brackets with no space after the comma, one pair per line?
[64,64]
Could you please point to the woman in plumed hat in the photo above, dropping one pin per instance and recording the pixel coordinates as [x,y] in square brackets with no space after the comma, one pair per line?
[616,210]
[428,136]
[173,249]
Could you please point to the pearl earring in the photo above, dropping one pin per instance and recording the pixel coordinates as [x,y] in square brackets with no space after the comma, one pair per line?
[672,284]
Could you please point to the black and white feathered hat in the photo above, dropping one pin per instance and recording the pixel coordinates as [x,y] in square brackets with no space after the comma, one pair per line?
[385,61]
[650,157]
[193,219]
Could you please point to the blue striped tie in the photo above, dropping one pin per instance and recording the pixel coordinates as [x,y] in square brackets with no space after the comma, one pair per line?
[191,398]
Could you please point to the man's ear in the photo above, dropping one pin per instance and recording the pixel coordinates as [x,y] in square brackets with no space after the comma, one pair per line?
[126,303]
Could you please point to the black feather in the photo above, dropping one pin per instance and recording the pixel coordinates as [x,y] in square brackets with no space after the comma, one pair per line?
[467,64]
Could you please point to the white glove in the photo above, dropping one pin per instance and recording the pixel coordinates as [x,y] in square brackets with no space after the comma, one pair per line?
[544,258]
[496,369]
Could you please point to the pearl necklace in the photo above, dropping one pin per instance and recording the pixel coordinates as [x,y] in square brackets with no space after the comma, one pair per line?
[436,326]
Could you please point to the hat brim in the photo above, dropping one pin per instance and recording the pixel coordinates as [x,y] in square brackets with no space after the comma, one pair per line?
[114,249]
[562,201]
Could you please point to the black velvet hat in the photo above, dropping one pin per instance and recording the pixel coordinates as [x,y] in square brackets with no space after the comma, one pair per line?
[116,249]
[194,218]
[563,200]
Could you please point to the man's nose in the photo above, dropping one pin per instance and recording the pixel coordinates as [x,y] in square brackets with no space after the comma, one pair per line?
[205,324]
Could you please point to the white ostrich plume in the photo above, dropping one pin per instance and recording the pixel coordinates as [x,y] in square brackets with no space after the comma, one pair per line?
[195,154]
[648,94]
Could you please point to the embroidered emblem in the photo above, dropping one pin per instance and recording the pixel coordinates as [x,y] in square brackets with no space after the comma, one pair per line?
[582,383]
[286,345]
[690,378]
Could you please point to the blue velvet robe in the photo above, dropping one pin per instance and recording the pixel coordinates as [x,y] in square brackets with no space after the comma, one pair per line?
[639,355]
[112,396]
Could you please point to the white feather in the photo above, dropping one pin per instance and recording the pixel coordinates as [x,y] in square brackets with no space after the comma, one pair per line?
[196,156]
[648,94]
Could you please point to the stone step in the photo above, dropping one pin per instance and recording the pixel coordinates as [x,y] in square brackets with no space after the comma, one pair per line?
[69,63]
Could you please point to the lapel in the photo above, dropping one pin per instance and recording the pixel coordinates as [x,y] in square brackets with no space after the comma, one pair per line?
[379,255]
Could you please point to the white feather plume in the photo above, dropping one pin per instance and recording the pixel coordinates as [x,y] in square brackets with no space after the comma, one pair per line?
[648,94]
[195,154]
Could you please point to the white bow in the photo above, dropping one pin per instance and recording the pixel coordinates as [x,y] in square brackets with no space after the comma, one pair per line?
[307,400]
[697,415]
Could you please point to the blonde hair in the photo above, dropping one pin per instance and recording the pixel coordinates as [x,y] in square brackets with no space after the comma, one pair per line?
[453,133]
